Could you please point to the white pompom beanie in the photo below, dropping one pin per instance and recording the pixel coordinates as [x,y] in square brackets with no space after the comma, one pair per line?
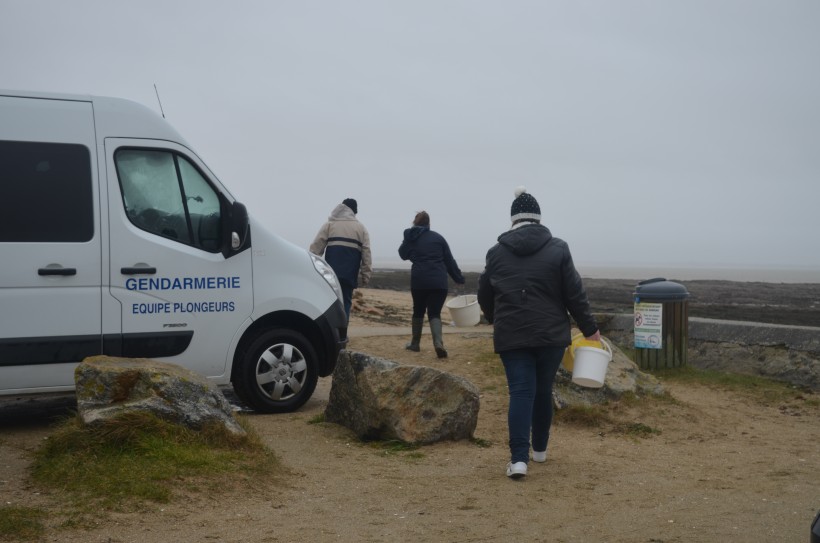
[525,206]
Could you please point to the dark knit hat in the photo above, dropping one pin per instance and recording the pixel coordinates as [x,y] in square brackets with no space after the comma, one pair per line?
[525,206]
[351,203]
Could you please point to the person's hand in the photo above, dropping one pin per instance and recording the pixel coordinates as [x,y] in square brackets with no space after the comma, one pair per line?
[594,337]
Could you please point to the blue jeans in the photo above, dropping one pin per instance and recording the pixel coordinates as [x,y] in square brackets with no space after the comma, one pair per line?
[530,376]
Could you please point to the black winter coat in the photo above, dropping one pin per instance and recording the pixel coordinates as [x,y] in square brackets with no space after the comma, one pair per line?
[528,285]
[431,258]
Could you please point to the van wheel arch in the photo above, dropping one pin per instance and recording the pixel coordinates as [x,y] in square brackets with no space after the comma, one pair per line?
[289,320]
[276,371]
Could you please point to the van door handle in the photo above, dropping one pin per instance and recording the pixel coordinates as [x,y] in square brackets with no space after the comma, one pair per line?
[57,271]
[140,270]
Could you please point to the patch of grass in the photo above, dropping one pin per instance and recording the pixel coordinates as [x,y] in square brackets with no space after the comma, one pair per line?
[139,457]
[601,417]
[21,523]
[318,419]
[636,429]
[585,416]
[394,446]
[812,401]
[483,443]
[781,473]
[409,450]
[766,391]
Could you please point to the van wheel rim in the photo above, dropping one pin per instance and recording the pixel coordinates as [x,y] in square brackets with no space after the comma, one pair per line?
[281,371]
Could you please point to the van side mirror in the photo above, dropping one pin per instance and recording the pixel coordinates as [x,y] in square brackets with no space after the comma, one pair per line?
[239,226]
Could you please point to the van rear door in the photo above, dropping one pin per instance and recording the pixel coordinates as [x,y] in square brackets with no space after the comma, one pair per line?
[50,242]
[181,298]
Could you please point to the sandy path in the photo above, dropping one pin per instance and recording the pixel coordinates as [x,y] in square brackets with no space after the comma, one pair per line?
[724,467]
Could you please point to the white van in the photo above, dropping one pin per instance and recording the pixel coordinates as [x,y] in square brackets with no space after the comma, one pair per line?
[116,239]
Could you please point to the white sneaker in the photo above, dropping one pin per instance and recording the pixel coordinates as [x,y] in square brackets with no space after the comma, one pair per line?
[516,470]
[539,456]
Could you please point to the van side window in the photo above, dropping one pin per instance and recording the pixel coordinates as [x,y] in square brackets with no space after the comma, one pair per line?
[46,192]
[166,195]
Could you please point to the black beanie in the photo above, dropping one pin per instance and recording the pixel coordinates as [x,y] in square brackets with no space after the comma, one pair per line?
[351,203]
[525,206]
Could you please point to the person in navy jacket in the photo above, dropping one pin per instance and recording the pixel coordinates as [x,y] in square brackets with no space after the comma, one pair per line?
[432,263]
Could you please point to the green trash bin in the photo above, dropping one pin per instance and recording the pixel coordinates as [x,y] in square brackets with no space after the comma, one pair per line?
[661,324]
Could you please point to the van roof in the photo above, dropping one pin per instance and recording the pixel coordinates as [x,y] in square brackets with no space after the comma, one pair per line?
[114,117]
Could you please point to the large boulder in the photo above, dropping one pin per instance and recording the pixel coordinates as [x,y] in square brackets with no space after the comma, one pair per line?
[110,386]
[380,399]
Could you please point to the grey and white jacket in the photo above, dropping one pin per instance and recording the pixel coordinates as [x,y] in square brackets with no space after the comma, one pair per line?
[345,243]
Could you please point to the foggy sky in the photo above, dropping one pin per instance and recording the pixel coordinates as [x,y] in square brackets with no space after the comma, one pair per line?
[670,133]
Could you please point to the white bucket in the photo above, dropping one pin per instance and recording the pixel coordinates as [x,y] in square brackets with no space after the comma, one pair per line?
[589,366]
[465,310]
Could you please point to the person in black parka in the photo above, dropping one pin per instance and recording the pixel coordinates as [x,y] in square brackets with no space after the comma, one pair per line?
[528,290]
[432,263]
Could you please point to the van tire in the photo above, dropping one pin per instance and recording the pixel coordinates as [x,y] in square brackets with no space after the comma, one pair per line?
[278,372]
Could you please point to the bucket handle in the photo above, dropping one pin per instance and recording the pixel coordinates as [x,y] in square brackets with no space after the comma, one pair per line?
[607,347]
[604,342]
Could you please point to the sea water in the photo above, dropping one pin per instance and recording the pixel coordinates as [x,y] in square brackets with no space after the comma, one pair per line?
[672,273]
[763,275]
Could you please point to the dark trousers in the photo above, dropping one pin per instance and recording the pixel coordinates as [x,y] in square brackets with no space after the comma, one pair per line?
[347,295]
[429,300]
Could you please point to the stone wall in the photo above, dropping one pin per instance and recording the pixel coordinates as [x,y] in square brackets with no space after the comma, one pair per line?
[785,353]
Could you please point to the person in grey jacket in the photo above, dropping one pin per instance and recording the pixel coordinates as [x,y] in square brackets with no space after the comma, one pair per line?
[432,263]
[528,290]
[345,243]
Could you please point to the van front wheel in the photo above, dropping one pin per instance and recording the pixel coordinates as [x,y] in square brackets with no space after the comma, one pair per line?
[277,372]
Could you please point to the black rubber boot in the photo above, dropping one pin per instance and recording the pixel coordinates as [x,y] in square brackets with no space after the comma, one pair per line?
[418,324]
[438,341]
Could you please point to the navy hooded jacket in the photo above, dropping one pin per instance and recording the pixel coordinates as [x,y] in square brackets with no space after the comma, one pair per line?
[431,258]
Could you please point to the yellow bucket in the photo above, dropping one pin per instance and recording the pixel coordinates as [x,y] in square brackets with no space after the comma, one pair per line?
[578,340]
